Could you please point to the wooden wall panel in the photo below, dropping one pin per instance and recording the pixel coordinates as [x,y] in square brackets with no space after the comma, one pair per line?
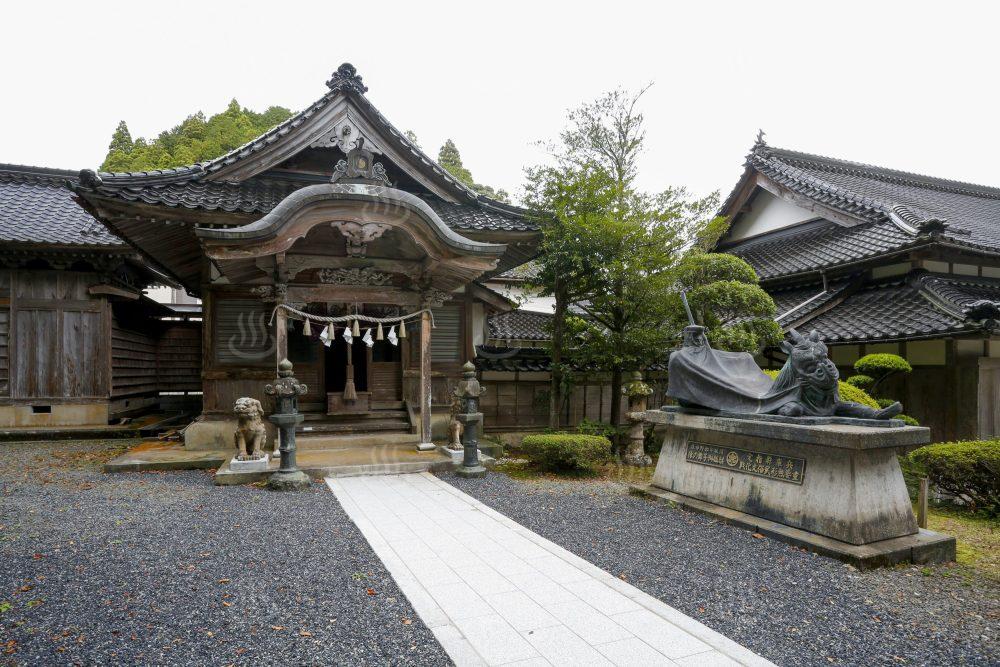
[242,334]
[36,353]
[59,340]
[4,352]
[133,361]
[447,344]
[387,381]
[178,357]
[83,366]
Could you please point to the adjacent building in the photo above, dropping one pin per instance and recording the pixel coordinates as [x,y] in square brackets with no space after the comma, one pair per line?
[880,260]
[80,344]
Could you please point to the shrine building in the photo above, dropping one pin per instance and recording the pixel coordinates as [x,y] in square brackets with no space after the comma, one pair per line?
[333,241]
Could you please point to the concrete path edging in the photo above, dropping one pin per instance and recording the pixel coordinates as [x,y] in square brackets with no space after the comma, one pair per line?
[495,593]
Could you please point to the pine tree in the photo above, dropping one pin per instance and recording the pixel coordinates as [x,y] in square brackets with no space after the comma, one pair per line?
[121,140]
[451,160]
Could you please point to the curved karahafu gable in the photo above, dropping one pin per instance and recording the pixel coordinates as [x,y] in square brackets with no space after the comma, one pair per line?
[364,215]
[304,209]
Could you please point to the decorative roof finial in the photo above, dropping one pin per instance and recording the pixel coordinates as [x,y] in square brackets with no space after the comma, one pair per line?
[347,77]
[760,138]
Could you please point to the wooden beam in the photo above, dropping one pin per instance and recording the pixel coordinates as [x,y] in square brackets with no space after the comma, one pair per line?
[352,294]
[111,290]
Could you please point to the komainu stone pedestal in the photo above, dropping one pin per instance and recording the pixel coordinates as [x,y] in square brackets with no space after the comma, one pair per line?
[833,488]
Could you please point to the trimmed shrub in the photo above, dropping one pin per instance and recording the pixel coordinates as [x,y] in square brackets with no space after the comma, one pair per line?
[968,470]
[567,452]
[591,427]
[853,394]
[880,365]
[860,381]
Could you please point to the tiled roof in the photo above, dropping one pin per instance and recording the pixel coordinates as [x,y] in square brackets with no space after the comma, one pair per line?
[37,207]
[188,186]
[893,209]
[520,325]
[480,218]
[258,196]
[510,359]
[919,305]
[814,247]
[798,303]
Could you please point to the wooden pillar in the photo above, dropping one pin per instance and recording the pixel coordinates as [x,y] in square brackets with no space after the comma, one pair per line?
[425,382]
[280,336]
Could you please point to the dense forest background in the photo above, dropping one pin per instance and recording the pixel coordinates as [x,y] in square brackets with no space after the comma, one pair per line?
[199,138]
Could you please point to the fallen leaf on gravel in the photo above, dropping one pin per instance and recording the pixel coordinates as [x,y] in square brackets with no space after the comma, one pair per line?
[25,588]
[278,627]
[758,536]
[407,621]
[223,581]
[371,591]
[227,604]
[38,556]
[305,633]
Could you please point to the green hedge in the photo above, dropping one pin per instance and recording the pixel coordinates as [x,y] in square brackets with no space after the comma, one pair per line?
[969,469]
[567,452]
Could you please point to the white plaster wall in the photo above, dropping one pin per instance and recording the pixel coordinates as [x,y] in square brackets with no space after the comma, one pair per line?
[767,214]
[164,294]
[526,299]
[478,324]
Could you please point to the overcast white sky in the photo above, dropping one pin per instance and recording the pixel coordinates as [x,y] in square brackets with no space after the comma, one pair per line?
[909,85]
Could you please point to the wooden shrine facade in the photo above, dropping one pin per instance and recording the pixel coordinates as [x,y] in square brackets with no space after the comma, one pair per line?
[336,218]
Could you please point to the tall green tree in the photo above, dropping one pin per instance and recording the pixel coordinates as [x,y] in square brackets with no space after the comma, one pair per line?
[608,249]
[451,160]
[725,297]
[195,139]
[121,139]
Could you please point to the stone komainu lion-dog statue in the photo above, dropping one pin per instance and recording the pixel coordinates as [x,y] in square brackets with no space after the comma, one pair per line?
[250,435]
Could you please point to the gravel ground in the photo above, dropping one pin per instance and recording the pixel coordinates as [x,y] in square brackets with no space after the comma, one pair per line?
[792,607]
[165,568]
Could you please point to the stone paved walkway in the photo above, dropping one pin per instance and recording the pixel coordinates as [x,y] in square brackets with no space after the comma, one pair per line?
[495,593]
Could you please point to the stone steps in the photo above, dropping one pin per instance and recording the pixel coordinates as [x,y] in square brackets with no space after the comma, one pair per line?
[357,416]
[355,427]
[309,441]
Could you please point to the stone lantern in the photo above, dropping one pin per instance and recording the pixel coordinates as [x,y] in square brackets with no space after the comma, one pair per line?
[468,392]
[286,391]
[637,392]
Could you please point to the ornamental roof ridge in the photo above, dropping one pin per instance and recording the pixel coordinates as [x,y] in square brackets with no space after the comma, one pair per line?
[895,176]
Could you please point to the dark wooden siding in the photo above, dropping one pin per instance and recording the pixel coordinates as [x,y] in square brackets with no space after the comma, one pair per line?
[446,341]
[387,381]
[4,333]
[178,357]
[242,334]
[133,361]
[58,347]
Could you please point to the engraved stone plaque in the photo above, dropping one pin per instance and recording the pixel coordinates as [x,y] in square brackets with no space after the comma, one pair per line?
[761,464]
